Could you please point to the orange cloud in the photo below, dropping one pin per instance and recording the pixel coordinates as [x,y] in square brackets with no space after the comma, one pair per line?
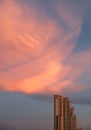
[36,52]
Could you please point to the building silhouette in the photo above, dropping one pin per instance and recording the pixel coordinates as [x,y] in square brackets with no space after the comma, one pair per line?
[64,116]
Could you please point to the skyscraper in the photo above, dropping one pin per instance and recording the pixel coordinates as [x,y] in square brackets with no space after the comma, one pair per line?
[64,116]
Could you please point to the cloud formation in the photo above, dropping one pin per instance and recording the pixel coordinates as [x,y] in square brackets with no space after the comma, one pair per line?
[36,51]
[82,101]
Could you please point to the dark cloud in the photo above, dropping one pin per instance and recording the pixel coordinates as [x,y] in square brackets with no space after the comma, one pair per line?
[50,98]
[82,101]
[42,97]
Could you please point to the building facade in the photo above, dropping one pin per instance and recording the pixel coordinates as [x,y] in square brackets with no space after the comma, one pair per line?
[64,116]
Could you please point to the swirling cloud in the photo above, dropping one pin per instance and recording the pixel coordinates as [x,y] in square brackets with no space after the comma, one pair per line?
[36,51]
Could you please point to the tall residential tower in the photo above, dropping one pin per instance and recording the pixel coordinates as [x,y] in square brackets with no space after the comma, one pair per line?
[64,117]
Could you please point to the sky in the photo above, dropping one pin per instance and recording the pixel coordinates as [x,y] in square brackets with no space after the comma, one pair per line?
[45,49]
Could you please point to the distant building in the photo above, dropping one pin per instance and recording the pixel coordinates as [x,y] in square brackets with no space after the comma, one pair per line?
[79,129]
[64,116]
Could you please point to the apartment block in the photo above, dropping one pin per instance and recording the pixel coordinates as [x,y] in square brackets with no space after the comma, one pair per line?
[64,116]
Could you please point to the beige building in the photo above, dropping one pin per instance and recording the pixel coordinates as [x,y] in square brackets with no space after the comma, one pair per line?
[64,116]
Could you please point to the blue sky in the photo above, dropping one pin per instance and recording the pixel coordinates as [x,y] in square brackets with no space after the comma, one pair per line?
[45,49]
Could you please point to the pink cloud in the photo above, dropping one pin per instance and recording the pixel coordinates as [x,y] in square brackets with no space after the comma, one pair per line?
[35,49]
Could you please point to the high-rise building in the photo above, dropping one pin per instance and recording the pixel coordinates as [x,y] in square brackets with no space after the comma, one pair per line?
[64,116]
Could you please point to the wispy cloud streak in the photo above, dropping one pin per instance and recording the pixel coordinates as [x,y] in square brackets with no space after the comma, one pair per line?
[36,51]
